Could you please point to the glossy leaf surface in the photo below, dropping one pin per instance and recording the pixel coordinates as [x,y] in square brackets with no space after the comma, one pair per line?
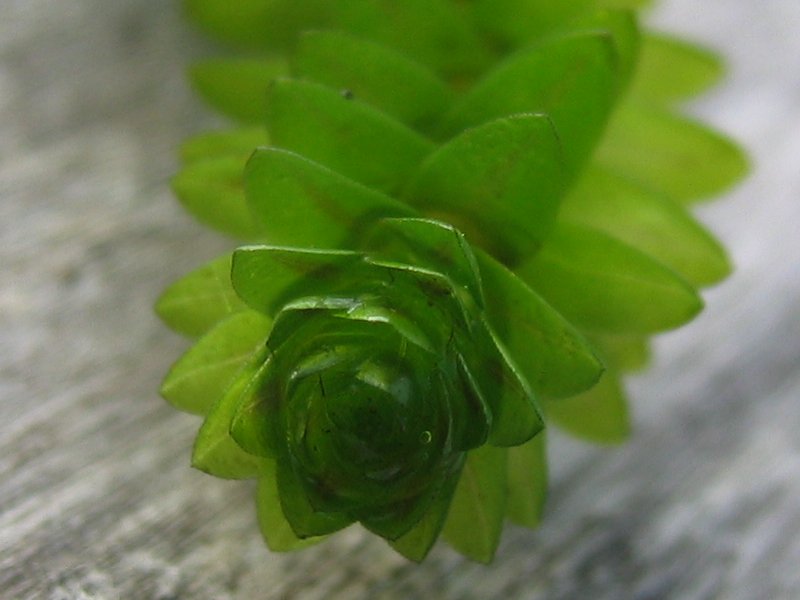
[554,358]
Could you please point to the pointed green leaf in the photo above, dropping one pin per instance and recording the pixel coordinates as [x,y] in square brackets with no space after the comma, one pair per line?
[671,69]
[500,183]
[622,27]
[602,284]
[552,356]
[281,268]
[527,481]
[648,222]
[203,374]
[573,79]
[257,24]
[215,451]
[670,154]
[301,203]
[514,409]
[436,33]
[416,544]
[375,74]
[303,519]
[599,415]
[212,191]
[197,301]
[394,522]
[431,245]
[516,416]
[237,87]
[343,133]
[273,524]
[519,22]
[475,520]
[221,143]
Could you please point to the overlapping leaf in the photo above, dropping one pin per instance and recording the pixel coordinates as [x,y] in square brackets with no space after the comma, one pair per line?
[482,115]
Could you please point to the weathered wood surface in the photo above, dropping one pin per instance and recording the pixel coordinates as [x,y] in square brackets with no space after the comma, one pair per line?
[96,496]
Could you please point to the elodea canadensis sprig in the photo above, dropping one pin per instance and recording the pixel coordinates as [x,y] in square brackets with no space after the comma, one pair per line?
[463,221]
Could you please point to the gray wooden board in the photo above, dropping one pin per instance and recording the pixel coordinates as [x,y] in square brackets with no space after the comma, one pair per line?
[97,499]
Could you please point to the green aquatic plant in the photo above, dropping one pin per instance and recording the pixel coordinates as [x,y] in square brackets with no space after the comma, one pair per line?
[464,220]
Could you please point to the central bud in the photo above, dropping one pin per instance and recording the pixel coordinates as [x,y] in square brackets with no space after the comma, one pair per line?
[366,425]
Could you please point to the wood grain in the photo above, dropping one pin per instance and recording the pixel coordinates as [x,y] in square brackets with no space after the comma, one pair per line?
[97,499]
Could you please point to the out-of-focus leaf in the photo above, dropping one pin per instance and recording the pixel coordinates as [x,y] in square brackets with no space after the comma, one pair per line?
[475,520]
[571,78]
[622,27]
[624,352]
[670,154]
[301,203]
[212,191]
[258,24]
[550,353]
[342,133]
[223,143]
[518,22]
[623,3]
[527,481]
[648,222]
[601,284]
[203,374]
[196,302]
[273,524]
[671,69]
[237,87]
[500,183]
[436,33]
[375,74]
[599,415]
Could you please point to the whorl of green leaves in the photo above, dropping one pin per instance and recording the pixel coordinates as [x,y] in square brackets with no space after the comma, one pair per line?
[468,218]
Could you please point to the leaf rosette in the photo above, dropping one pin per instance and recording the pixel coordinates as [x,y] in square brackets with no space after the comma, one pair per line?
[471,216]
[368,377]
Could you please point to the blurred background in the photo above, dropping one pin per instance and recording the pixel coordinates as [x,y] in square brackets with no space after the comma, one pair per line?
[97,499]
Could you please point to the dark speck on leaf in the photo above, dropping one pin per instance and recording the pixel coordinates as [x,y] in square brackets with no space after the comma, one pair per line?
[348,94]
